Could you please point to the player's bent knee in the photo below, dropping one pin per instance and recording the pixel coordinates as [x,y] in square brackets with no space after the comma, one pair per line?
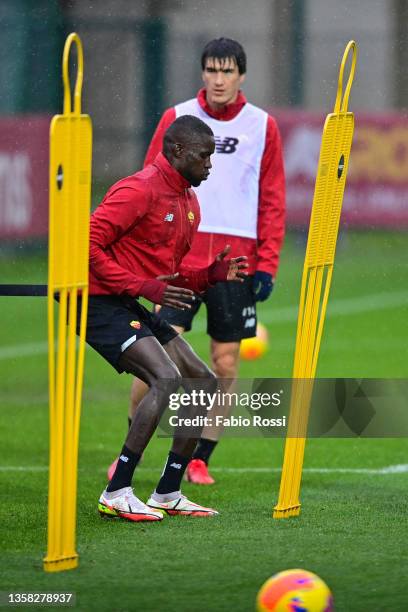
[169,377]
[226,365]
[206,376]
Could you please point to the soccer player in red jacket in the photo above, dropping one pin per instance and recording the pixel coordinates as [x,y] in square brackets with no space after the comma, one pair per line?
[242,204]
[139,236]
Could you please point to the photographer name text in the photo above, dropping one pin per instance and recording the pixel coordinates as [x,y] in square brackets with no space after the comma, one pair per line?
[255,420]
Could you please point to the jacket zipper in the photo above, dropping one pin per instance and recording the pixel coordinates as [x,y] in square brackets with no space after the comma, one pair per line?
[181,221]
[210,255]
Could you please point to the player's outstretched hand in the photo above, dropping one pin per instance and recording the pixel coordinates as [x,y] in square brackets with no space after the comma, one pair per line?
[176,297]
[233,269]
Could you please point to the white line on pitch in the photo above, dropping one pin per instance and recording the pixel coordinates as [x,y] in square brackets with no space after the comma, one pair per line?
[390,469]
[23,350]
[341,307]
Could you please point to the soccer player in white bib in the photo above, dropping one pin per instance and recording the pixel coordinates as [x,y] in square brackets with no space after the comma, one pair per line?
[243,205]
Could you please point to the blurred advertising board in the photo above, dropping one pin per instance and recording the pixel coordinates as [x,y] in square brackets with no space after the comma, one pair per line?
[24,155]
[376,192]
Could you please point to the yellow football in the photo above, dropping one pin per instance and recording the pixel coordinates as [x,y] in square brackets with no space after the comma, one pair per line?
[294,589]
[253,348]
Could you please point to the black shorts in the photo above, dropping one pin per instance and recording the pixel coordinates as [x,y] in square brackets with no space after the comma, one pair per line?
[231,311]
[115,322]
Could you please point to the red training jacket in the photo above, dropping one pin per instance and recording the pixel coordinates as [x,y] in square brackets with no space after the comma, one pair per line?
[263,253]
[143,228]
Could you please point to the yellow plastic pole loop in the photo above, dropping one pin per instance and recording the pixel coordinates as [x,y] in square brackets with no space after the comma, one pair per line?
[79,79]
[340,106]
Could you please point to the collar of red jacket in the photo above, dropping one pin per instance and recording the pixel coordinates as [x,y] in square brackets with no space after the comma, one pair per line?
[225,114]
[172,176]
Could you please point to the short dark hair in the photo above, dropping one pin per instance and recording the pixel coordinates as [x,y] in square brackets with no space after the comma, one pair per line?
[183,128]
[222,49]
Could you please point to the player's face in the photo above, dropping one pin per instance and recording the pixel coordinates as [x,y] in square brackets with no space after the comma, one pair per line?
[196,162]
[222,81]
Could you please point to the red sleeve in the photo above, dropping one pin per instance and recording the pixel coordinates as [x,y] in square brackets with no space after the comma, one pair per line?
[156,143]
[196,280]
[271,210]
[200,280]
[120,210]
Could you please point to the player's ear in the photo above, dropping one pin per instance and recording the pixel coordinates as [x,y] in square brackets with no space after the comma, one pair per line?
[178,149]
[242,78]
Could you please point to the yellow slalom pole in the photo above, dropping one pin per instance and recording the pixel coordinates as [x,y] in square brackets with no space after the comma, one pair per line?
[68,260]
[317,274]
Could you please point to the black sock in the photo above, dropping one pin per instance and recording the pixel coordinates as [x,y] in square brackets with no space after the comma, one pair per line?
[123,475]
[129,422]
[173,473]
[204,449]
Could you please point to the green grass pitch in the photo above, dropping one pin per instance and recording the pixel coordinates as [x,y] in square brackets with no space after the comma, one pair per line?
[353,526]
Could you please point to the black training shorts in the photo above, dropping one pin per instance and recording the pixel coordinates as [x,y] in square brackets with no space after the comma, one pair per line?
[231,311]
[115,322]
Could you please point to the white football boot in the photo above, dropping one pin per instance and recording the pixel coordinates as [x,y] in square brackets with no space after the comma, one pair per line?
[180,506]
[124,504]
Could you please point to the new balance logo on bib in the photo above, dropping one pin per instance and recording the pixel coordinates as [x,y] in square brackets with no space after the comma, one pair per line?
[226,144]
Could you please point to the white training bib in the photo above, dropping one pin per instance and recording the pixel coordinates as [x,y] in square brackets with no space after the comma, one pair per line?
[229,197]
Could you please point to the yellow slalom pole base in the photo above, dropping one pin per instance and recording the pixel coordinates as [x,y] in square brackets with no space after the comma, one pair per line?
[280,512]
[60,564]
